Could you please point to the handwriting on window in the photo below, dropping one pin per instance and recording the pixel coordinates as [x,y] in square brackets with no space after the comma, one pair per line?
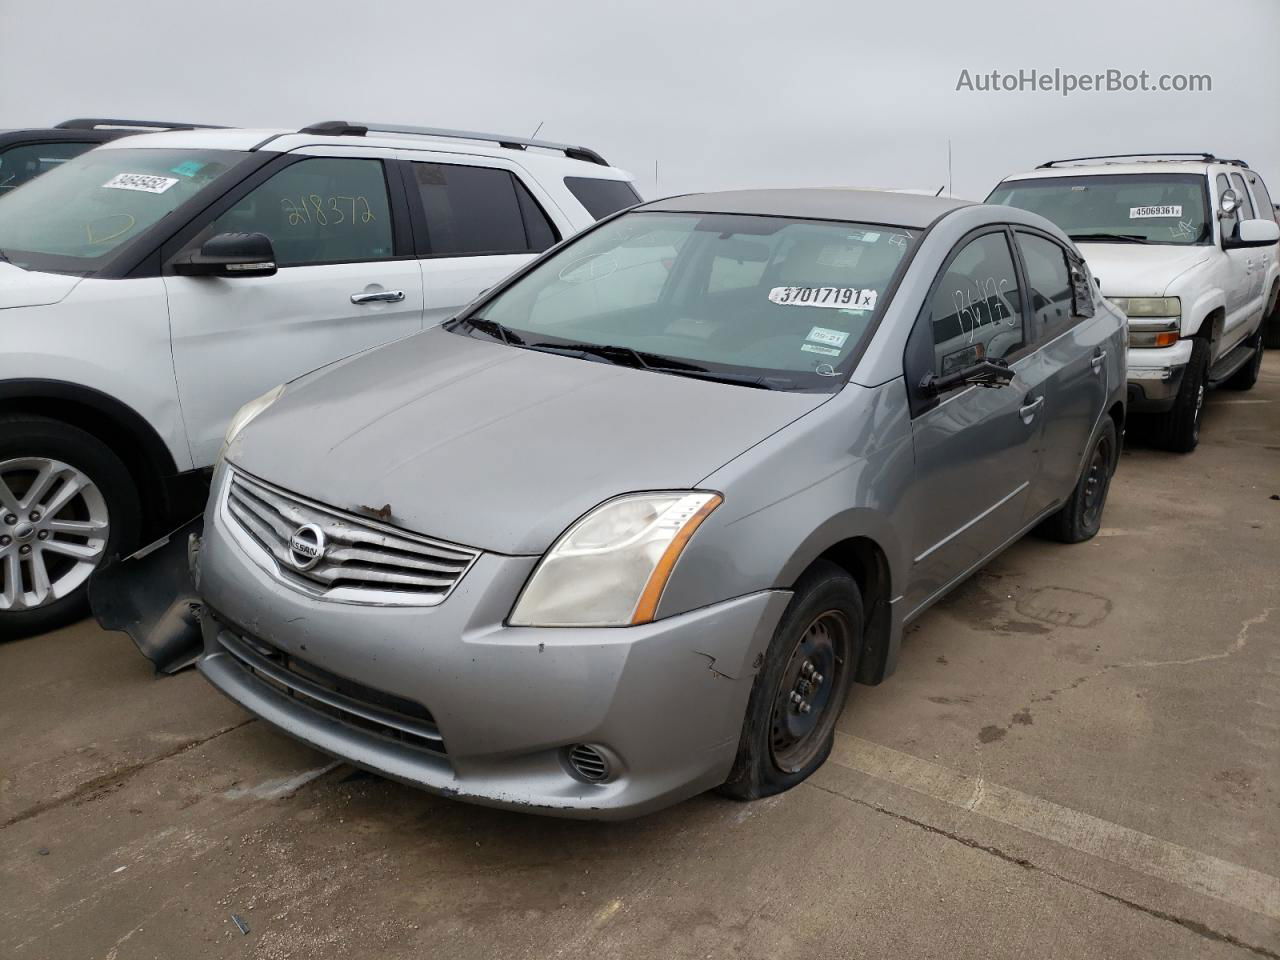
[327,211]
[982,303]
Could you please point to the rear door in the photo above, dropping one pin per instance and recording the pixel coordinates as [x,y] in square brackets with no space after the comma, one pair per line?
[977,449]
[348,280]
[476,220]
[1073,348]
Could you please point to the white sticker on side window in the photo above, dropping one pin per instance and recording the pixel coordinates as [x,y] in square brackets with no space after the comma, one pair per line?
[1161,210]
[145,182]
[825,351]
[839,298]
[833,338]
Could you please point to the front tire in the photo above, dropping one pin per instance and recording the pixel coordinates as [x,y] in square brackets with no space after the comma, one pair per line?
[67,503]
[1081,516]
[1179,429]
[801,688]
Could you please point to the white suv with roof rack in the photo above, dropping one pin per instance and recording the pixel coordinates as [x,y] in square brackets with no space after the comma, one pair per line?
[1188,249]
[150,287]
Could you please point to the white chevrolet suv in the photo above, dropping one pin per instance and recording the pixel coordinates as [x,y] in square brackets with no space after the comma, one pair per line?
[1188,249]
[152,286]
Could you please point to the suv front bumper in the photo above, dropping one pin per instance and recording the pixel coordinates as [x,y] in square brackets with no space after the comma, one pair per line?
[1155,376]
[665,701]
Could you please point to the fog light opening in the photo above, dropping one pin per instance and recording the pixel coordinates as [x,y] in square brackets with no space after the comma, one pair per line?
[590,764]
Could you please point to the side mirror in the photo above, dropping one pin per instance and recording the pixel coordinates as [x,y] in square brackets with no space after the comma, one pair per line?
[230,255]
[1228,203]
[984,373]
[1253,233]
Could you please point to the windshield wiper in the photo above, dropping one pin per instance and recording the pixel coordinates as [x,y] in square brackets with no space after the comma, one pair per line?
[494,329]
[1108,237]
[657,363]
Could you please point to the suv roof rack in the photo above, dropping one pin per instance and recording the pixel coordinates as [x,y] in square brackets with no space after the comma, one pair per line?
[94,123]
[1207,157]
[341,128]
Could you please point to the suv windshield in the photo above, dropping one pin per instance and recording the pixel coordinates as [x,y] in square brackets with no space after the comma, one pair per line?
[1118,208]
[765,302]
[72,218]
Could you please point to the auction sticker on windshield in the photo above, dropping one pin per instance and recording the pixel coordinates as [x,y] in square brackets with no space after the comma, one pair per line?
[1160,210]
[841,298]
[146,182]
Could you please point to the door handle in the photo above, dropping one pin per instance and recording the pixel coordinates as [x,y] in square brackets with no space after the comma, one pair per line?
[382,296]
[1096,360]
[1028,411]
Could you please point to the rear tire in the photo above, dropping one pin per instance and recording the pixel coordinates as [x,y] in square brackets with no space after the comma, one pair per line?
[801,689]
[1247,376]
[1179,429]
[86,509]
[1081,516]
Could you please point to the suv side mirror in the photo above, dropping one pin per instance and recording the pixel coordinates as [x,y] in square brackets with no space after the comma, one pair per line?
[1228,203]
[230,255]
[984,373]
[1253,233]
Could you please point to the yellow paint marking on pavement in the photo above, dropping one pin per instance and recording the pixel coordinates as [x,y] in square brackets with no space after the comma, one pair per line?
[1199,872]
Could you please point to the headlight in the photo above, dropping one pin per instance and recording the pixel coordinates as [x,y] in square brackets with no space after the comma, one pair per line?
[610,567]
[1149,306]
[1153,333]
[246,414]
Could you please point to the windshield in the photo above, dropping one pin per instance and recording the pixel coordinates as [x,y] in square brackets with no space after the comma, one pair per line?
[1117,208]
[761,301]
[72,218]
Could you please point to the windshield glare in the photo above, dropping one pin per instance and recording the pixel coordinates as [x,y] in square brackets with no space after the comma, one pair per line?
[1165,208]
[73,217]
[774,302]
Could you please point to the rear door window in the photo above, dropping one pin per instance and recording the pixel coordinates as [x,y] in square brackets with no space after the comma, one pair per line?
[1049,288]
[477,211]
[602,197]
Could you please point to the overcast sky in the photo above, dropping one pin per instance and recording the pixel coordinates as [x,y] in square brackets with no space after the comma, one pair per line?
[717,94]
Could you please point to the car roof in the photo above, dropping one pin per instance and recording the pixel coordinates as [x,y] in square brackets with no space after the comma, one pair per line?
[818,203]
[277,140]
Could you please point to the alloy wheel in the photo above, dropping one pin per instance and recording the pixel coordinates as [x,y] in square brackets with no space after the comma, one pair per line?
[803,708]
[54,526]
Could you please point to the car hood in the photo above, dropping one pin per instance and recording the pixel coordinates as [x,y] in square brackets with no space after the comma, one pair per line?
[496,447]
[1134,270]
[31,288]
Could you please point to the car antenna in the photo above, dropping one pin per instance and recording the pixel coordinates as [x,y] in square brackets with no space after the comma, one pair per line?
[534,135]
[940,189]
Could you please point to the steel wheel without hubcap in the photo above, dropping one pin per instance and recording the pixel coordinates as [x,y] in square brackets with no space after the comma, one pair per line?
[803,711]
[54,526]
[1096,480]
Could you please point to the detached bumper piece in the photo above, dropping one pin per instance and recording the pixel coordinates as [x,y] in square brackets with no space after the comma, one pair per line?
[151,596]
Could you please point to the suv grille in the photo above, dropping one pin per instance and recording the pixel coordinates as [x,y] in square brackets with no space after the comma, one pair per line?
[359,560]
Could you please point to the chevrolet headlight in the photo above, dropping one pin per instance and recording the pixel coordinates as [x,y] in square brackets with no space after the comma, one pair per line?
[609,569]
[246,414]
[1149,306]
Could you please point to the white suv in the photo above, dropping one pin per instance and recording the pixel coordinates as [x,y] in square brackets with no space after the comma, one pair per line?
[1187,248]
[152,286]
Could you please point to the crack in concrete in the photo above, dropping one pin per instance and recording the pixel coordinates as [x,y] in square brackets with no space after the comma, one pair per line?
[1240,642]
[1187,923]
[115,777]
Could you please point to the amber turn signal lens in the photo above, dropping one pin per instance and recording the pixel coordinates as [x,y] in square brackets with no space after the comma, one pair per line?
[647,608]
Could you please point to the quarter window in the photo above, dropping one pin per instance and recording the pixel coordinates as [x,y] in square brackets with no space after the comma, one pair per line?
[1048,282]
[321,210]
[602,197]
[480,210]
[975,311]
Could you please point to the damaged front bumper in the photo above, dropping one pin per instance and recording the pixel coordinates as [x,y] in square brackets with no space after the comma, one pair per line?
[450,699]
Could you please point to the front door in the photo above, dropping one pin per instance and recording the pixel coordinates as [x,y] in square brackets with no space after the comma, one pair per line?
[1241,295]
[976,448]
[346,282]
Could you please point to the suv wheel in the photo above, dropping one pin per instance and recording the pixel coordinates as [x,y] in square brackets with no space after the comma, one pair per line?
[1179,429]
[802,686]
[66,504]
[1247,376]
[1271,324]
[1081,516]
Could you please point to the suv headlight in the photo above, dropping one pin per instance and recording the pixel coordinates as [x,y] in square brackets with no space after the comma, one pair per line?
[246,414]
[610,567]
[1169,307]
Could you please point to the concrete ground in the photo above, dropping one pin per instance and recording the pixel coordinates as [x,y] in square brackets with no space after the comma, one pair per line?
[1077,758]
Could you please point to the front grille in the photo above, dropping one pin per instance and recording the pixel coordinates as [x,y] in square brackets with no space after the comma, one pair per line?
[362,561]
[352,703]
